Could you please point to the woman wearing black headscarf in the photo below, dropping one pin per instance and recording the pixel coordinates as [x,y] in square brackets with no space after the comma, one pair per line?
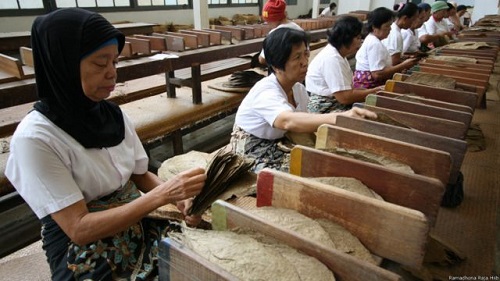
[78,162]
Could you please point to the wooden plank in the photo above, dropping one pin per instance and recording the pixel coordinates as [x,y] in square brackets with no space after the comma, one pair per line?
[456,72]
[250,31]
[127,50]
[177,262]
[422,123]
[343,265]
[225,34]
[11,66]
[139,46]
[236,32]
[485,70]
[174,43]
[456,148]
[423,100]
[419,108]
[157,42]
[447,95]
[203,37]
[357,213]
[423,160]
[413,191]
[215,36]
[26,56]
[191,41]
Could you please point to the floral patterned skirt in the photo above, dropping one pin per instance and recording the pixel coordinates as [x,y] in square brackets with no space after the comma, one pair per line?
[272,154]
[127,255]
[324,104]
[364,79]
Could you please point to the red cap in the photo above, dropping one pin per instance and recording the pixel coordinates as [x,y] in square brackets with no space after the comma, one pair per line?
[274,10]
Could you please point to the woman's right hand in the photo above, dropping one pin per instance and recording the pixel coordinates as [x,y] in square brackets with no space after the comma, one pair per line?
[409,63]
[184,185]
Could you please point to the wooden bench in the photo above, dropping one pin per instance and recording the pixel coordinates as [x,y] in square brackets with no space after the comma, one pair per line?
[423,100]
[11,69]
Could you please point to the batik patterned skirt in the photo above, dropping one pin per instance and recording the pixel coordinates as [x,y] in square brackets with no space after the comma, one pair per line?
[364,79]
[128,255]
[324,104]
[272,154]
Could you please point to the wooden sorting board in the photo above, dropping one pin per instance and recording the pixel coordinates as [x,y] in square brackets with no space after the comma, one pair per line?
[412,191]
[424,161]
[344,266]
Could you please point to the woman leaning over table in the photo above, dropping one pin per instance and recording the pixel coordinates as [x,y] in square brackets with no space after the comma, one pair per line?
[373,61]
[329,76]
[78,162]
[278,103]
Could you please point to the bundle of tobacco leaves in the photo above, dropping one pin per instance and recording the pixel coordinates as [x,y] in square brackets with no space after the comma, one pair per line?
[223,169]
[243,79]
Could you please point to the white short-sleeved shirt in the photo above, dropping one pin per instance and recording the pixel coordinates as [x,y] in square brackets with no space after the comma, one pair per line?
[373,55]
[394,42]
[411,43]
[328,73]
[432,27]
[52,171]
[289,24]
[422,31]
[265,101]
[327,12]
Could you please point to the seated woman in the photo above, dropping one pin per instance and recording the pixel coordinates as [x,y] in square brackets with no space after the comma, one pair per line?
[329,76]
[406,15]
[434,32]
[373,61]
[278,103]
[77,161]
[411,44]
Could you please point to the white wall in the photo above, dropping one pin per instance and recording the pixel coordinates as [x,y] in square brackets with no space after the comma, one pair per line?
[12,24]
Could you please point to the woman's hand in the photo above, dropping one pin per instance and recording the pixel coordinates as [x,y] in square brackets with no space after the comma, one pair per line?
[182,186]
[184,207]
[409,63]
[360,113]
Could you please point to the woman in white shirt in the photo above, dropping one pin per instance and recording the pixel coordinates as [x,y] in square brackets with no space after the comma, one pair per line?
[329,76]
[434,31]
[278,103]
[373,61]
[78,162]
[411,44]
[406,15]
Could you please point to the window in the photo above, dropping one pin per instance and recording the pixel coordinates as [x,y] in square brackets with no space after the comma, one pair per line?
[162,2]
[232,2]
[21,4]
[92,3]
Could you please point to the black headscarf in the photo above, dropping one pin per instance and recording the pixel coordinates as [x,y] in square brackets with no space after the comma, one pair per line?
[59,40]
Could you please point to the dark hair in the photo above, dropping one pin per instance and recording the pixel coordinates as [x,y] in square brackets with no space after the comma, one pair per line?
[278,46]
[333,5]
[378,17]
[425,6]
[343,31]
[461,8]
[408,10]
[450,6]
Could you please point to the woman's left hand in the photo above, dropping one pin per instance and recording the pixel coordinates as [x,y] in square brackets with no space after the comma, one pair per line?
[184,207]
[361,113]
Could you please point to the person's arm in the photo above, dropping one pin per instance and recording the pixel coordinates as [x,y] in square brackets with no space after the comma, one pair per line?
[388,71]
[396,58]
[84,227]
[302,122]
[355,95]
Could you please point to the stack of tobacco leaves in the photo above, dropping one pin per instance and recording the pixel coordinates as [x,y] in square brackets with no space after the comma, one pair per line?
[223,169]
[243,79]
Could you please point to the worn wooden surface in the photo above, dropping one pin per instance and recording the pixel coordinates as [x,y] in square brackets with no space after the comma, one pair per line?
[424,161]
[423,100]
[343,265]
[412,191]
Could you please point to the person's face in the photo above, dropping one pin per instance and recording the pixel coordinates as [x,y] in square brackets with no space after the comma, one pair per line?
[420,20]
[408,22]
[98,73]
[439,15]
[383,31]
[296,65]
